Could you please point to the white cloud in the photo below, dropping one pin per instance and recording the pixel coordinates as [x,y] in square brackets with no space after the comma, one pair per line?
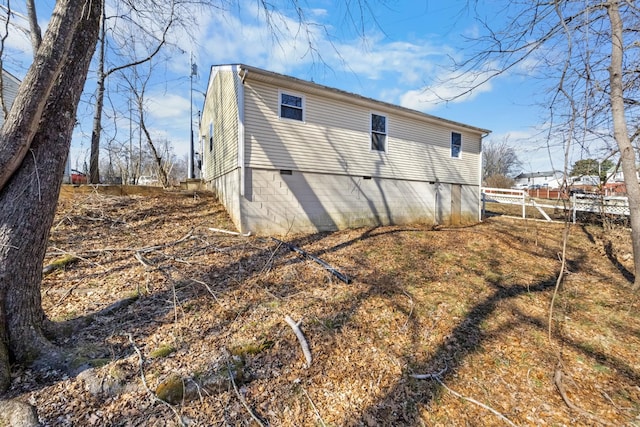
[452,87]
[289,45]
[167,106]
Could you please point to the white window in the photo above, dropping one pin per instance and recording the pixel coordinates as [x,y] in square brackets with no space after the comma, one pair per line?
[291,106]
[456,145]
[378,132]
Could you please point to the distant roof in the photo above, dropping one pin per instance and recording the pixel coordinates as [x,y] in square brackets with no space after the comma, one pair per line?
[538,174]
[11,76]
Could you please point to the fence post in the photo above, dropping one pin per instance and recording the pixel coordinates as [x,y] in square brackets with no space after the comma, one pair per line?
[524,206]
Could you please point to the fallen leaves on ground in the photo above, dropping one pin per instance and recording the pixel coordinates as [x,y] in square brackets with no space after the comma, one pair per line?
[468,304]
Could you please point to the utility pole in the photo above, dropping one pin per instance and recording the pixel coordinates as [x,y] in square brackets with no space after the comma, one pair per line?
[194,72]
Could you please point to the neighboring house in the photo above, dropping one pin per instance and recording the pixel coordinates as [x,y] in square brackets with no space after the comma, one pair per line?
[585,181]
[288,155]
[10,86]
[551,179]
[615,175]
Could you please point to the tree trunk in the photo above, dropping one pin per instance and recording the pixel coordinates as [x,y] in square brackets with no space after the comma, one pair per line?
[96,131]
[627,153]
[162,173]
[28,200]
[23,120]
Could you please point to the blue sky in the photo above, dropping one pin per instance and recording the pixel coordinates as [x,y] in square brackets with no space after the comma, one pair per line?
[405,47]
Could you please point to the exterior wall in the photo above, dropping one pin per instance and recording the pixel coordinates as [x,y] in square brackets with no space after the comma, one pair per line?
[309,202]
[9,92]
[335,138]
[221,110]
[227,188]
[278,175]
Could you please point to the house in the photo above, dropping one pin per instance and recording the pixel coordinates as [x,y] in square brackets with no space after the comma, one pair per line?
[10,86]
[288,155]
[551,179]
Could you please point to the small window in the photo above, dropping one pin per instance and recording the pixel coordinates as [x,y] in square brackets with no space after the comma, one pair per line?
[378,132]
[291,106]
[211,136]
[456,145]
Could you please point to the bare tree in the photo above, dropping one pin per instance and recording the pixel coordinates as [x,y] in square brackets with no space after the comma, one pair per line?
[138,85]
[499,159]
[132,20]
[588,49]
[35,32]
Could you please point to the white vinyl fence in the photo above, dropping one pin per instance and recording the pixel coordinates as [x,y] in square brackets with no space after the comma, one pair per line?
[613,205]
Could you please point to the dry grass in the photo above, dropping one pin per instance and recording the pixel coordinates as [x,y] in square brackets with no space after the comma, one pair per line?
[471,303]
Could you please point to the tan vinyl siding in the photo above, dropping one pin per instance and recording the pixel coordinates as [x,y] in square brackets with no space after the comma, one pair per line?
[335,138]
[221,110]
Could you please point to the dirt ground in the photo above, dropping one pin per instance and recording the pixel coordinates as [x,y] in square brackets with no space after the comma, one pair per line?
[439,326]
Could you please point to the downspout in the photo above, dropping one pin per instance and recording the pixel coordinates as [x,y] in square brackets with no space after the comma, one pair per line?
[242,73]
[481,203]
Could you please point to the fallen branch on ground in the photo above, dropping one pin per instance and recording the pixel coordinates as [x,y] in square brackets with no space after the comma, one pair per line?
[482,405]
[431,376]
[144,261]
[66,294]
[210,291]
[145,249]
[314,408]
[306,254]
[235,388]
[557,379]
[235,233]
[301,338]
[59,264]
[438,377]
[144,381]
[81,258]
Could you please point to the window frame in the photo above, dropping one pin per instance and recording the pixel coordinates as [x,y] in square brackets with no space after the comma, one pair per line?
[372,132]
[211,130]
[459,145]
[302,108]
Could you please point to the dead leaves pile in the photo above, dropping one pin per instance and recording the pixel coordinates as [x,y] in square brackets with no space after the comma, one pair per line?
[468,305]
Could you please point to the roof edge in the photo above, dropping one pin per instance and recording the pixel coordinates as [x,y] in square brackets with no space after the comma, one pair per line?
[251,71]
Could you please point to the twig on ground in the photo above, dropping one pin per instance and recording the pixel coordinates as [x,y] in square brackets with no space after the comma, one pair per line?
[267,265]
[101,218]
[210,291]
[142,250]
[557,379]
[175,301]
[406,323]
[144,381]
[301,338]
[244,403]
[563,259]
[482,405]
[144,261]
[619,408]
[431,376]
[81,258]
[306,254]
[235,233]
[314,407]
[66,294]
